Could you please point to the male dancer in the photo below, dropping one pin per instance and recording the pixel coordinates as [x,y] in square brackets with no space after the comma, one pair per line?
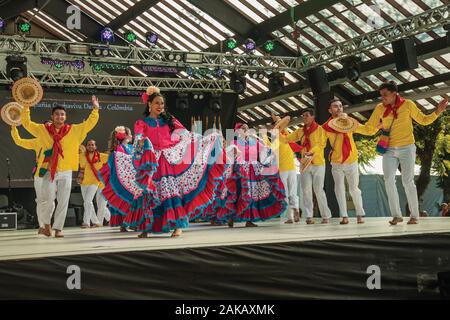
[90,162]
[313,140]
[60,142]
[395,116]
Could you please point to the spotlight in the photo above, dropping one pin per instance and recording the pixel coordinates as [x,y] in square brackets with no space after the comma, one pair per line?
[238,82]
[194,58]
[100,51]
[250,45]
[219,72]
[130,36]
[174,56]
[269,46]
[257,75]
[151,38]
[276,82]
[23,26]
[182,102]
[2,25]
[198,96]
[107,35]
[215,103]
[78,64]
[231,44]
[78,49]
[352,67]
[16,67]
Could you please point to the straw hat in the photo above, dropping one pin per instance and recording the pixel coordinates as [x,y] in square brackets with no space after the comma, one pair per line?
[305,162]
[11,113]
[27,91]
[343,123]
[281,123]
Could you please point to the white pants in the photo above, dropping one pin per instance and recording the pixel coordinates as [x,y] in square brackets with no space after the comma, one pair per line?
[351,172]
[102,209]
[289,179]
[314,178]
[406,157]
[41,201]
[58,189]
[88,193]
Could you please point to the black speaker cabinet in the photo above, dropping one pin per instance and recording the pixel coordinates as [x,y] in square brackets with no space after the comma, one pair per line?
[405,54]
[318,80]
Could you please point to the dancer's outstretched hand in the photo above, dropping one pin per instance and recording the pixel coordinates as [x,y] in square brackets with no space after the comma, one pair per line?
[442,106]
[95,102]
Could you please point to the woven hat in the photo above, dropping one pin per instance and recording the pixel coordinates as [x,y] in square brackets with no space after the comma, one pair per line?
[282,123]
[27,91]
[343,123]
[305,162]
[11,113]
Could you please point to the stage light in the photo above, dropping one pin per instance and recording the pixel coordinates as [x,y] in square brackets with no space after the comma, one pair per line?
[269,46]
[198,96]
[130,36]
[352,67]
[219,72]
[2,25]
[194,58]
[249,45]
[16,67]
[107,35]
[151,38]
[257,75]
[78,64]
[78,49]
[182,101]
[23,26]
[231,44]
[100,51]
[238,82]
[215,102]
[276,82]
[174,56]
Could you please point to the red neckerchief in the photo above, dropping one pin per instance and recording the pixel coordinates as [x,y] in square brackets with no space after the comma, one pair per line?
[306,133]
[94,160]
[398,102]
[346,145]
[57,148]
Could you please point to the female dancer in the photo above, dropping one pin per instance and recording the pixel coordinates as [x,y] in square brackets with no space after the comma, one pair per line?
[254,184]
[188,172]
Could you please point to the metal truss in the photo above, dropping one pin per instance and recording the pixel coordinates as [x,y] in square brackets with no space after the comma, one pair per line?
[101,81]
[137,56]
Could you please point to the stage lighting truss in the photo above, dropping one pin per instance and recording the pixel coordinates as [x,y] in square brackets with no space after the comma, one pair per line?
[105,81]
[423,22]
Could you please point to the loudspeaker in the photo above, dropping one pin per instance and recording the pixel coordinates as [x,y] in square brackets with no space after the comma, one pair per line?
[318,80]
[405,54]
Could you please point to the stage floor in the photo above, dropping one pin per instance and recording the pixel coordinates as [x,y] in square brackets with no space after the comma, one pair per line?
[26,244]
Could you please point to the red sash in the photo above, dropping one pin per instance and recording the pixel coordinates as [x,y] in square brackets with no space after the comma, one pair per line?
[306,133]
[57,148]
[398,102]
[95,159]
[346,145]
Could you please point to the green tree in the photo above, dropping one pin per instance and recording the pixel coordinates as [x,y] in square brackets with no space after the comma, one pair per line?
[366,146]
[427,138]
[441,157]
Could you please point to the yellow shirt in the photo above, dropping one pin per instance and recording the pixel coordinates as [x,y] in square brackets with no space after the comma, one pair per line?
[318,143]
[29,144]
[89,177]
[401,133]
[69,143]
[286,157]
[337,139]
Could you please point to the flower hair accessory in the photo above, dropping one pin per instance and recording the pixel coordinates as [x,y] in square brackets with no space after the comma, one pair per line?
[120,132]
[150,90]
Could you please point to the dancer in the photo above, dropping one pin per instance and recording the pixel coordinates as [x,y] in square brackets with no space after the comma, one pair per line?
[60,142]
[313,140]
[344,158]
[395,116]
[123,195]
[90,162]
[34,144]
[286,164]
[256,188]
[187,174]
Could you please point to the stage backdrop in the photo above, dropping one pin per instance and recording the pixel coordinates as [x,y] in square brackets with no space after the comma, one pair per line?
[114,111]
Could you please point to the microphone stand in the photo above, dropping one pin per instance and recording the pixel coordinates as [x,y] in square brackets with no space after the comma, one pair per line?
[8,166]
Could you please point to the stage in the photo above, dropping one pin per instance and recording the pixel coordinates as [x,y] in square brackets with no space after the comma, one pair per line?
[273,260]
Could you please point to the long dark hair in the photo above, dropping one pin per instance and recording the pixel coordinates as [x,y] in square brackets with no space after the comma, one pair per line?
[113,142]
[166,116]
